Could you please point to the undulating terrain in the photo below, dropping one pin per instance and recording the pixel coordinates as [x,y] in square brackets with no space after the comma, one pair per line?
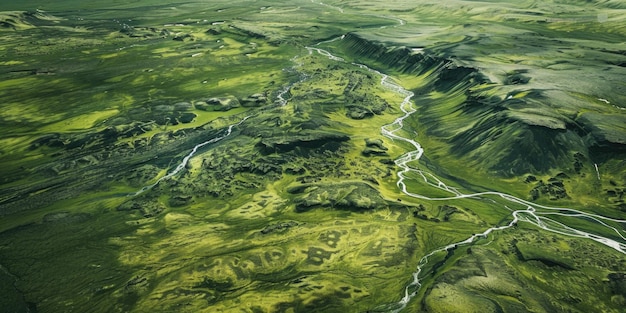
[308,156]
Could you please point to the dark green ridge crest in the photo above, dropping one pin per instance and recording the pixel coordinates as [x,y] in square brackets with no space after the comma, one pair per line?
[506,134]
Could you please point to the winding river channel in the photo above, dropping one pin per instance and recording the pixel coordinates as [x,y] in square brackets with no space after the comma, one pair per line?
[185,160]
[536,214]
[280,101]
[533,213]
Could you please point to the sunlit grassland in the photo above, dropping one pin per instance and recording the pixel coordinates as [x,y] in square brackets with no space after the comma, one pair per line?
[292,212]
[75,93]
[207,229]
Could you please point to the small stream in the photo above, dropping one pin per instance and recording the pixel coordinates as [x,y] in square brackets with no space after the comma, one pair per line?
[280,101]
[185,160]
[535,214]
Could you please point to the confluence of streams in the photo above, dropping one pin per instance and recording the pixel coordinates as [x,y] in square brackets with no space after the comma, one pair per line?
[533,213]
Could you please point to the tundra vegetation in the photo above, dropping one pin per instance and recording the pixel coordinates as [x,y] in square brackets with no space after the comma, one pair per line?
[228,156]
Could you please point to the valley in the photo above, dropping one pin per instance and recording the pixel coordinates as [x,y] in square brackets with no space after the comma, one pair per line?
[263,156]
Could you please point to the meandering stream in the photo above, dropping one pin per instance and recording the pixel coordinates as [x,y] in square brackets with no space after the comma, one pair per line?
[185,160]
[533,213]
[280,101]
[538,215]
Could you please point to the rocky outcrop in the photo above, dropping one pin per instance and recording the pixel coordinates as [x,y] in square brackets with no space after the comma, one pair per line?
[143,32]
[554,189]
[147,208]
[374,147]
[217,104]
[617,283]
[254,100]
[357,112]
[355,196]
[307,140]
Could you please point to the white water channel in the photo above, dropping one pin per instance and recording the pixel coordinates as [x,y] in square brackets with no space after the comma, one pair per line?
[185,160]
[280,101]
[533,213]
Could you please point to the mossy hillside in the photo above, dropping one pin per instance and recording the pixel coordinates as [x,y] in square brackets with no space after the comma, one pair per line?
[532,140]
[316,255]
[78,266]
[240,199]
[247,208]
[268,269]
[225,233]
[18,20]
[133,70]
[577,163]
[194,55]
[85,86]
[482,51]
[480,274]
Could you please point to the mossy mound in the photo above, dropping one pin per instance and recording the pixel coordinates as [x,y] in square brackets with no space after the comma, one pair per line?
[20,20]
[306,140]
[347,196]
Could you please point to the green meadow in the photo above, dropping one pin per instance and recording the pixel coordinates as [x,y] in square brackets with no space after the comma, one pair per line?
[206,156]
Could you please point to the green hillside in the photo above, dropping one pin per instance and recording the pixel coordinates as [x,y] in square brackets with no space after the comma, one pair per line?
[308,156]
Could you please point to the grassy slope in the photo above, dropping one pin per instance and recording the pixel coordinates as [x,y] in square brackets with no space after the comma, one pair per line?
[528,117]
[443,117]
[245,228]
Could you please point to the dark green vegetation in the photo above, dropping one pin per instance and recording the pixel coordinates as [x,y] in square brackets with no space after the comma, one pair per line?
[298,210]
